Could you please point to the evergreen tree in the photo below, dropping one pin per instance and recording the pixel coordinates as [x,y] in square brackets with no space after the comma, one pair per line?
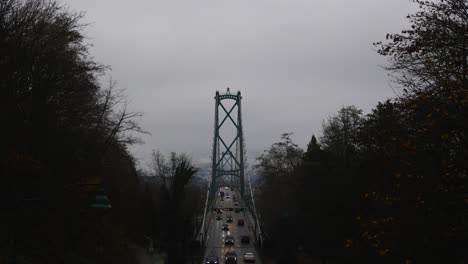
[313,150]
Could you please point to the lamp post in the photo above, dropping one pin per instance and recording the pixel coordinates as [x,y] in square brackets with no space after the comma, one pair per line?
[98,204]
[101,203]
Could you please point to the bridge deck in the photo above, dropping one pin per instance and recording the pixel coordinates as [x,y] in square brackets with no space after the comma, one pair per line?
[215,240]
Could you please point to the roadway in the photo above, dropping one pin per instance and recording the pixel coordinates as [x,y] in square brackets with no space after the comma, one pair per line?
[215,245]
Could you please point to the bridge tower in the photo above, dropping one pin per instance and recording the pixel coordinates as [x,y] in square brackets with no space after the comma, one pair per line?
[228,155]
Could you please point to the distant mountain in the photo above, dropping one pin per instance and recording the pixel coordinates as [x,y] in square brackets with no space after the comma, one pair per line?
[203,175]
[203,170]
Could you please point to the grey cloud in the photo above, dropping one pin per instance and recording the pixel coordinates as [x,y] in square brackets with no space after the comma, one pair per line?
[295,61]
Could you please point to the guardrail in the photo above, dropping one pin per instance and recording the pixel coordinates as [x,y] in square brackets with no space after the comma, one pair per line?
[203,230]
[258,231]
[250,205]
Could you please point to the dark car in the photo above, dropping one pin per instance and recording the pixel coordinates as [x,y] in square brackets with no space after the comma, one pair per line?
[229,219]
[226,227]
[240,222]
[245,239]
[218,217]
[231,257]
[212,260]
[229,240]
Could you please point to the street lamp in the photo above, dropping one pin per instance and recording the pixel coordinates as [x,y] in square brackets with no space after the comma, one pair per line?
[101,201]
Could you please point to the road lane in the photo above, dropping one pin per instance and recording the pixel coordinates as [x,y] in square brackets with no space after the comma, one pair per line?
[215,239]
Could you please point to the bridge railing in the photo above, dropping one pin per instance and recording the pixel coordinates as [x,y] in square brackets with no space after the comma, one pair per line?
[253,209]
[203,230]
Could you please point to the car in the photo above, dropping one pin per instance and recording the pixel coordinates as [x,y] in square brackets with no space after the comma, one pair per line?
[219,211]
[229,240]
[226,227]
[249,257]
[240,222]
[245,239]
[218,217]
[230,257]
[229,219]
[212,260]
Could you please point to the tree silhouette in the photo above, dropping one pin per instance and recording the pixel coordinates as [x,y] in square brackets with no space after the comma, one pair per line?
[413,145]
[173,176]
[65,133]
[339,132]
[313,150]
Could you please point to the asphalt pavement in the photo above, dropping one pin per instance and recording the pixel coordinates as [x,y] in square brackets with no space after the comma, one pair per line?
[215,240]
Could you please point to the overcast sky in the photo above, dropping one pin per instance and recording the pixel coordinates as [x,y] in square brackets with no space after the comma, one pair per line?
[295,62]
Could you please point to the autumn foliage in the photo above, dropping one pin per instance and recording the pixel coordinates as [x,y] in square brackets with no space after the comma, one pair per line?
[391,186]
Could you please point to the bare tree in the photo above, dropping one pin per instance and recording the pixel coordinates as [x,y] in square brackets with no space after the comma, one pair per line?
[432,54]
[172,176]
[114,120]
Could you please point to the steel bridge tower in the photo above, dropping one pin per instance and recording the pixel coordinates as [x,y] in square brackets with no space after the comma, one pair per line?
[228,159]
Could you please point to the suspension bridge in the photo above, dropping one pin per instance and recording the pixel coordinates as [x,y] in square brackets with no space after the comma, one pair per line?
[230,220]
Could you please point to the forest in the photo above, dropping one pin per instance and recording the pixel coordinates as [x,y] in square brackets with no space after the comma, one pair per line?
[389,186]
[70,190]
